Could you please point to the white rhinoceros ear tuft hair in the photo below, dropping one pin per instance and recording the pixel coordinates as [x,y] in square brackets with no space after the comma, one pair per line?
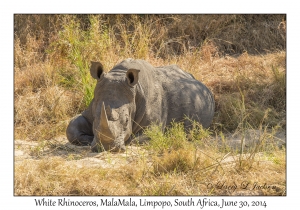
[96,70]
[132,76]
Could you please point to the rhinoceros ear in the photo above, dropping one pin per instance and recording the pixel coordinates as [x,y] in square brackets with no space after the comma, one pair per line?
[132,76]
[96,69]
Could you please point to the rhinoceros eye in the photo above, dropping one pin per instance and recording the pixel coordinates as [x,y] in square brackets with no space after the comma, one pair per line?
[124,122]
[125,119]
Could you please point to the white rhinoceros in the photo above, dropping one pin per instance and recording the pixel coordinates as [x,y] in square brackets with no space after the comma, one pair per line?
[133,95]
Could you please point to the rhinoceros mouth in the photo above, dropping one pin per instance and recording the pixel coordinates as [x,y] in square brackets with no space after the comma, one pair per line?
[98,146]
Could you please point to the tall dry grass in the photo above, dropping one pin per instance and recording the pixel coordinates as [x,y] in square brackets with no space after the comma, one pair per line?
[54,51]
[241,58]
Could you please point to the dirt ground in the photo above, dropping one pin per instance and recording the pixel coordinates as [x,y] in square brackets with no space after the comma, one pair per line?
[76,155]
[82,155]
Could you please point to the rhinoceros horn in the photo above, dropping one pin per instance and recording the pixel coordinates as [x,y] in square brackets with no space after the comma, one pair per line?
[106,133]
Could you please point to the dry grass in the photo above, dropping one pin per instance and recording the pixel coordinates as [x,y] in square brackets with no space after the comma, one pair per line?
[241,58]
[178,172]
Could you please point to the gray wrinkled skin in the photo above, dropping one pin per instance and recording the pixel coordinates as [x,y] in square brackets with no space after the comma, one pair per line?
[133,95]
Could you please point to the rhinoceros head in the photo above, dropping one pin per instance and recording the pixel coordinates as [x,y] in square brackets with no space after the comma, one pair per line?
[113,107]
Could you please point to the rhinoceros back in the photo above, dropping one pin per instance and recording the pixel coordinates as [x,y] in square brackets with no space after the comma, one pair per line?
[184,96]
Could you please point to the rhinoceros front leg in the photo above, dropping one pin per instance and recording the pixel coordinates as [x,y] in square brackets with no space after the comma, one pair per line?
[79,131]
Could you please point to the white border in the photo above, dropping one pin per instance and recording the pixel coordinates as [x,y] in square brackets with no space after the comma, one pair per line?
[9,8]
